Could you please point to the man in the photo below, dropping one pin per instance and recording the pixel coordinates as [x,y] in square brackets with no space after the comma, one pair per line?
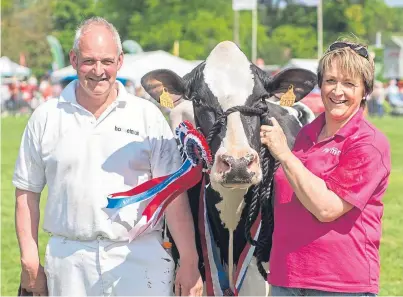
[94,140]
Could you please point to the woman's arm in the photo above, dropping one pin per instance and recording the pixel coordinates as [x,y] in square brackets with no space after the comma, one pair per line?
[311,190]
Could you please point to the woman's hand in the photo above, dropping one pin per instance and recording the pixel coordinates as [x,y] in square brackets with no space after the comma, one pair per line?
[274,138]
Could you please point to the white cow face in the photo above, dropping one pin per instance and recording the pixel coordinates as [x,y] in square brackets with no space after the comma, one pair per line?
[227,79]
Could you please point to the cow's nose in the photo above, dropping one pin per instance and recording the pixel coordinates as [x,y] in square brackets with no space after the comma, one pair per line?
[237,170]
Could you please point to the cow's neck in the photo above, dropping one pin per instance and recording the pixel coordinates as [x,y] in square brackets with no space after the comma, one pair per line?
[231,205]
[230,209]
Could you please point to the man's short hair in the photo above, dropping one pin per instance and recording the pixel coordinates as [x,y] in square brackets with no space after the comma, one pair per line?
[97,21]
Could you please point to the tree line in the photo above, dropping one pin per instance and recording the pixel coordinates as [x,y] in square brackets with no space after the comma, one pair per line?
[286,29]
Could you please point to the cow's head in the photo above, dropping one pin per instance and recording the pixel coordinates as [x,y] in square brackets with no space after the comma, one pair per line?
[227,79]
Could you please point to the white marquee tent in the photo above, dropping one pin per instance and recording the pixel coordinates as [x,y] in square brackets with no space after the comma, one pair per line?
[10,68]
[136,65]
[308,64]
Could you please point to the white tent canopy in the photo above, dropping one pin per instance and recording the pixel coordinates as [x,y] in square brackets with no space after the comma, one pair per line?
[10,68]
[308,64]
[136,65]
[58,75]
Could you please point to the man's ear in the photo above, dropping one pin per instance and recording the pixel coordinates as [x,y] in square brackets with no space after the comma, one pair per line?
[301,80]
[120,61]
[73,59]
[155,81]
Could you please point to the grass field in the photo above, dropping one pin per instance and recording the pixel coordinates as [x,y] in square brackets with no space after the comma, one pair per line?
[392,240]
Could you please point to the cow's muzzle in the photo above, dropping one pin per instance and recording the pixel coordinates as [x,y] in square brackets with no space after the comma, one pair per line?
[238,170]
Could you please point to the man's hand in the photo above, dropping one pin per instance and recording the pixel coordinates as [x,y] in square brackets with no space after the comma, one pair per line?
[33,278]
[188,281]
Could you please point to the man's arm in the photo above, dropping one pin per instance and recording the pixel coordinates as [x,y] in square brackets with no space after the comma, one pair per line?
[180,224]
[27,215]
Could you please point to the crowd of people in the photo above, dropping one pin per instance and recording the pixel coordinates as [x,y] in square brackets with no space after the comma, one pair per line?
[389,95]
[25,95]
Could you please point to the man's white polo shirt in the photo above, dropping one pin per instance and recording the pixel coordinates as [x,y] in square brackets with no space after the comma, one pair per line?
[83,159]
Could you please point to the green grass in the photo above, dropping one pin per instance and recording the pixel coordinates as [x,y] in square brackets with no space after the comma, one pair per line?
[392,240]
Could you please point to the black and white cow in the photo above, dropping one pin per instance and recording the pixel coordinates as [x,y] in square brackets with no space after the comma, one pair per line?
[225,80]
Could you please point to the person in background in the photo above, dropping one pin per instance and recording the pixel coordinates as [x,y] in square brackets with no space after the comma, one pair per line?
[377,99]
[393,94]
[94,140]
[130,87]
[328,214]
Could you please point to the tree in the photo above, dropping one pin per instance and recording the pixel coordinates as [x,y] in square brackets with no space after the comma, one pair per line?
[197,29]
[22,35]
[66,17]
[119,13]
[300,40]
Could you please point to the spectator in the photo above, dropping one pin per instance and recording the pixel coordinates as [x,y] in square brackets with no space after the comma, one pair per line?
[377,99]
[130,87]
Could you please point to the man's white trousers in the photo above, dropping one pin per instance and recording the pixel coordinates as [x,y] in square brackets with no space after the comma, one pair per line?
[105,268]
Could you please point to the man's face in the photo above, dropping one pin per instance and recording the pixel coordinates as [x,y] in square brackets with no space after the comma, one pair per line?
[97,61]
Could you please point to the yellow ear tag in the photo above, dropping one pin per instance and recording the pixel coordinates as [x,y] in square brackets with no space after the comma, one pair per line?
[165,99]
[288,98]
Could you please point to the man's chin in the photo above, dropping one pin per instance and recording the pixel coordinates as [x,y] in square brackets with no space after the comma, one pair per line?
[98,91]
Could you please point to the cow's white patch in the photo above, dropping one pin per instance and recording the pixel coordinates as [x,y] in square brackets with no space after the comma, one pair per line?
[231,206]
[291,111]
[228,75]
[181,112]
[230,79]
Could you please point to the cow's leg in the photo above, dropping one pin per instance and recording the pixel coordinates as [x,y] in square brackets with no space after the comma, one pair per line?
[254,284]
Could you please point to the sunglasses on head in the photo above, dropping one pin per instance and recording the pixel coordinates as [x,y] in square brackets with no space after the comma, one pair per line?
[359,49]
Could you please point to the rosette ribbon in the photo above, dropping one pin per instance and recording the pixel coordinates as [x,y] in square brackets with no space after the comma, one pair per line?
[161,191]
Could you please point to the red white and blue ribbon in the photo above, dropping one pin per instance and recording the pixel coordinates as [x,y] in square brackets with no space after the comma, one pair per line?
[217,282]
[161,191]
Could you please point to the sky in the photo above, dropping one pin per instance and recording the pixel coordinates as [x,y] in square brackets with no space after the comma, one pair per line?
[388,2]
[394,2]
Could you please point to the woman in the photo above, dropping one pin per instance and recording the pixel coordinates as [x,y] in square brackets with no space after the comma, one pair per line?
[328,212]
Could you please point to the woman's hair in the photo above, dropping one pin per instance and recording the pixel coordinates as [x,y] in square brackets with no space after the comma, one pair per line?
[353,58]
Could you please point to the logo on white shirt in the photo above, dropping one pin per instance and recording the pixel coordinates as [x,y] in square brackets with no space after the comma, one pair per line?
[333,150]
[129,131]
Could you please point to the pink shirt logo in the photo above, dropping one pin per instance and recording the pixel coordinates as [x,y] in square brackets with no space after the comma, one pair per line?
[333,150]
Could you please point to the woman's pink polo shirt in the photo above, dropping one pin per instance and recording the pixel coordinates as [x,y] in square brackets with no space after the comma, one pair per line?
[343,255]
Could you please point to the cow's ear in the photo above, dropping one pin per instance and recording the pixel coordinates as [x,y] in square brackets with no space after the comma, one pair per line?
[155,81]
[301,81]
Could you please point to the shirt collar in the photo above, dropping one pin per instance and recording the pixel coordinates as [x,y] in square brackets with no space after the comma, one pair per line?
[68,95]
[347,130]
[352,125]
[315,127]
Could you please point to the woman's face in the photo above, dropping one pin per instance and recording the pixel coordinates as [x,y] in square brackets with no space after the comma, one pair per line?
[341,94]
